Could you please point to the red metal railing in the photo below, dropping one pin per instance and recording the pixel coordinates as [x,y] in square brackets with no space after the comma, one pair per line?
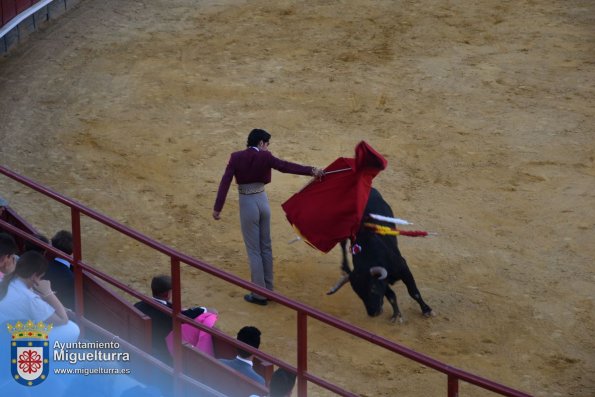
[454,375]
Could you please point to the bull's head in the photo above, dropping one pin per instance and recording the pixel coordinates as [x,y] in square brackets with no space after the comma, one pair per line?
[369,286]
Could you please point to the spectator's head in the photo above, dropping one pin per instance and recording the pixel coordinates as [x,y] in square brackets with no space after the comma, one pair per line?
[161,287]
[8,249]
[32,245]
[31,263]
[31,267]
[257,135]
[63,241]
[282,383]
[3,204]
[250,336]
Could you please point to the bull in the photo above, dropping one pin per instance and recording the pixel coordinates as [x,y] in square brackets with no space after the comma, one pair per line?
[377,264]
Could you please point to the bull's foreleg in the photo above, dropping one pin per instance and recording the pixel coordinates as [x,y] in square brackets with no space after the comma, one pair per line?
[392,299]
[344,261]
[345,270]
[414,292]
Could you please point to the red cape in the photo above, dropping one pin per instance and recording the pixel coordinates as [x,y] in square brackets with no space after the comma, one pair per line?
[328,211]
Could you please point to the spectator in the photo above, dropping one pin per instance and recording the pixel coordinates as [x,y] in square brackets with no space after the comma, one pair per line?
[161,322]
[282,383]
[243,361]
[60,272]
[8,250]
[25,296]
[3,205]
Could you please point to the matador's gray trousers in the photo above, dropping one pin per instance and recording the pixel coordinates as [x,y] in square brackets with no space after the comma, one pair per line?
[255,218]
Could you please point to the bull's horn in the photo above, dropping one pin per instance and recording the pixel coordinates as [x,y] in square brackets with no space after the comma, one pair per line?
[378,271]
[342,281]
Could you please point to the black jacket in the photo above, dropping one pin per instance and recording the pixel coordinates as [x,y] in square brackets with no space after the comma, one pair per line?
[62,281]
[161,324]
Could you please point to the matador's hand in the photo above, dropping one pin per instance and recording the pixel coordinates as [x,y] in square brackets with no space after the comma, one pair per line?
[318,173]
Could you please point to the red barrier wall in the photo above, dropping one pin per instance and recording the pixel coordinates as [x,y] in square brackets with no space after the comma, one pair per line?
[9,10]
[22,5]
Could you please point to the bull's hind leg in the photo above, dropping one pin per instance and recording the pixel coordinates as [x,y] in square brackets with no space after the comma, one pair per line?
[414,292]
[392,298]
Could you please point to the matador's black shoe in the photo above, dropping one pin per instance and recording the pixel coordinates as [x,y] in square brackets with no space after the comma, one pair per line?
[257,301]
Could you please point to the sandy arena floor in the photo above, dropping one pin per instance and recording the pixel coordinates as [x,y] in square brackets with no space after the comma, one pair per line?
[483,108]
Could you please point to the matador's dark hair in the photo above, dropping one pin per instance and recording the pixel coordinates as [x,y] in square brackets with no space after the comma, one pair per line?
[257,135]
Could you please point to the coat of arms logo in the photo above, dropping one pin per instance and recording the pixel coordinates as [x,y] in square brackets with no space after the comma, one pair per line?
[29,352]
